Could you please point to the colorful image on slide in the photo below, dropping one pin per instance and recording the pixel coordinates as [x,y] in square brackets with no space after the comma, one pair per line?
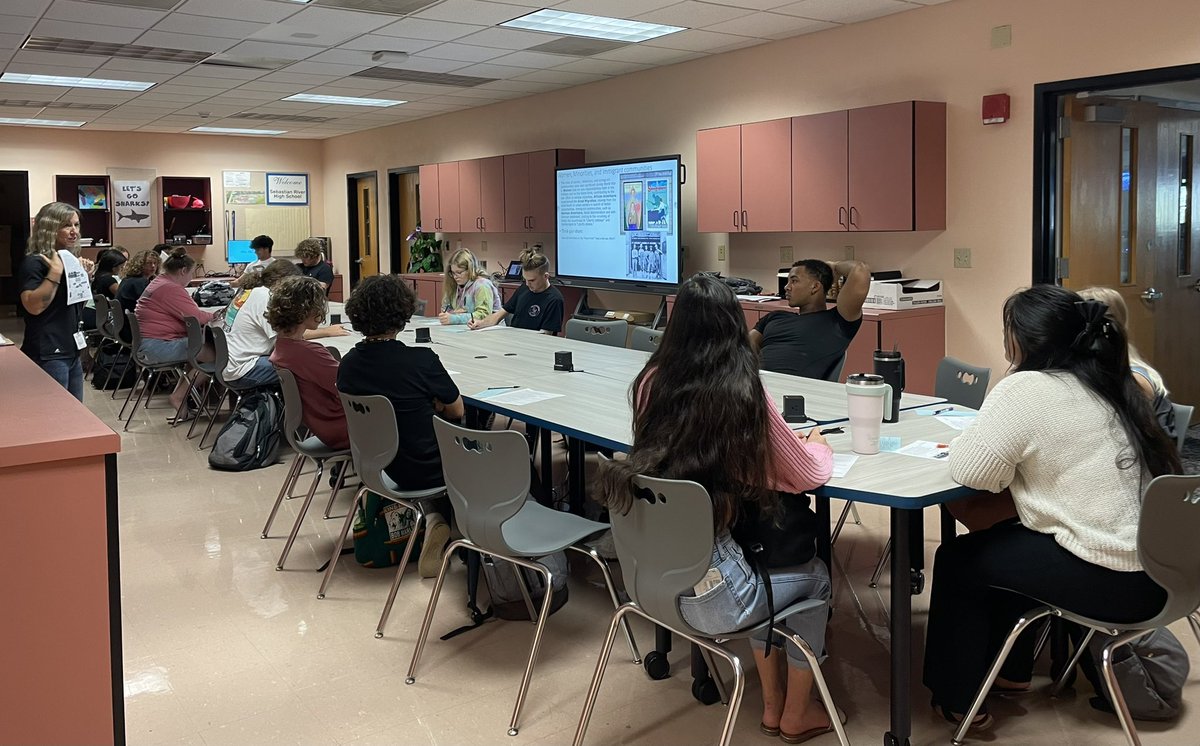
[631,194]
[658,205]
[646,256]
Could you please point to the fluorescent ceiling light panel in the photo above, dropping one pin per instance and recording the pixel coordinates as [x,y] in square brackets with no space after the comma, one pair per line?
[314,98]
[236,131]
[595,27]
[41,122]
[69,82]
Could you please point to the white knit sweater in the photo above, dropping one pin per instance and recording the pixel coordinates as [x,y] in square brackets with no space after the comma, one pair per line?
[1057,446]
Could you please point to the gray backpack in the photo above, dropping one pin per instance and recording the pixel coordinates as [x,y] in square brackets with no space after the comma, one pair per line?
[1151,672]
[507,601]
[250,439]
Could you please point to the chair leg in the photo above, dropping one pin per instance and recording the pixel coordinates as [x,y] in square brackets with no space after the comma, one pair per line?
[1057,687]
[537,643]
[308,498]
[883,558]
[337,487]
[819,680]
[418,525]
[533,614]
[715,674]
[606,571]
[136,381]
[128,362]
[598,675]
[203,407]
[1114,687]
[433,599]
[841,521]
[1194,620]
[216,410]
[854,512]
[292,475]
[146,392]
[341,540]
[1029,618]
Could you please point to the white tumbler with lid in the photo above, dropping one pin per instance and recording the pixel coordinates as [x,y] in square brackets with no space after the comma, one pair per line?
[868,398]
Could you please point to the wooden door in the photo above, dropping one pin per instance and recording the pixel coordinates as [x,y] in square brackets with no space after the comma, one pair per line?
[368,227]
[516,193]
[407,194]
[719,180]
[449,198]
[491,194]
[427,199]
[880,166]
[470,208]
[766,176]
[542,191]
[820,185]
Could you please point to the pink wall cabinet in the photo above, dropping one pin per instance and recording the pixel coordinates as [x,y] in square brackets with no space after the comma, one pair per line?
[481,195]
[529,188]
[743,178]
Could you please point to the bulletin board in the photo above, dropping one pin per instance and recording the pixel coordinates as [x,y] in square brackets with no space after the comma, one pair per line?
[248,214]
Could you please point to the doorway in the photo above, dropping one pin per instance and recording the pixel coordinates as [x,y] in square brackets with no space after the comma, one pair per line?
[1116,163]
[362,192]
[402,210]
[14,231]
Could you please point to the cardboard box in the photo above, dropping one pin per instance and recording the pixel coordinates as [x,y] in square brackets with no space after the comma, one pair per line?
[904,293]
[633,317]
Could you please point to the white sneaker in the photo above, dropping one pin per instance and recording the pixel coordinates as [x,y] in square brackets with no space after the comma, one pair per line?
[437,533]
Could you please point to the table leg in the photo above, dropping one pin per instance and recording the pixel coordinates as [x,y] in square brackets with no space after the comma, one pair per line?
[824,545]
[901,705]
[576,485]
[916,547]
[949,526]
[547,438]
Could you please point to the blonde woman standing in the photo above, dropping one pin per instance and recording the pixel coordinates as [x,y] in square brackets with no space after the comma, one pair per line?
[468,293]
[54,287]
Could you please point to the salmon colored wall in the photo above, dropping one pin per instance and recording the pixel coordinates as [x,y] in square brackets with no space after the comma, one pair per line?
[939,53]
[45,153]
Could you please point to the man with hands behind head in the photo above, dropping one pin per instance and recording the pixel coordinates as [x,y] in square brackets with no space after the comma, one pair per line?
[812,341]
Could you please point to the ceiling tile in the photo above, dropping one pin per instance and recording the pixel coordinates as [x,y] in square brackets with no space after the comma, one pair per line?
[614,8]
[645,55]
[79,62]
[260,49]
[109,15]
[184,41]
[224,28]
[375,42]
[602,67]
[506,38]
[309,67]
[30,8]
[322,26]
[755,4]
[693,41]
[487,13]
[429,65]
[281,89]
[490,70]
[298,78]
[145,66]
[844,11]
[31,92]
[562,77]
[261,11]
[11,41]
[770,26]
[463,52]
[16,24]
[692,14]
[91,32]
[417,28]
[536,60]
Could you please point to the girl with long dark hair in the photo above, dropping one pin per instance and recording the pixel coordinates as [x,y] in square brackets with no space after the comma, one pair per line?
[701,414]
[1071,435]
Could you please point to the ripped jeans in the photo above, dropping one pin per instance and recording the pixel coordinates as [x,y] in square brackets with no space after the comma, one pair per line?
[740,600]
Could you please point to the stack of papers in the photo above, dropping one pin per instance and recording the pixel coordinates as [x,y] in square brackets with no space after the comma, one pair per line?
[515,396]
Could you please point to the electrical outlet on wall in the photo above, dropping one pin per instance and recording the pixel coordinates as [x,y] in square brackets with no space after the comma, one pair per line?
[483,247]
[962,258]
[721,252]
[847,252]
[786,254]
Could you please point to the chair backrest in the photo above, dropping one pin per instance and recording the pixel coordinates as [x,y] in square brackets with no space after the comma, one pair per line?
[117,319]
[221,350]
[487,478]
[836,374]
[103,314]
[665,546]
[645,339]
[195,338]
[293,406]
[335,352]
[1183,418]
[1167,532]
[611,333]
[135,332]
[374,437]
[961,383]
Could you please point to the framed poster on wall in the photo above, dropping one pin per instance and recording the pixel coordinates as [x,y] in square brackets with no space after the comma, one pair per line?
[287,189]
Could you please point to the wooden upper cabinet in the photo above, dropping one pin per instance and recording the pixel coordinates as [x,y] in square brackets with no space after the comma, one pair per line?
[428,184]
[491,194]
[449,198]
[470,208]
[766,176]
[516,193]
[719,180]
[897,167]
[542,191]
[820,184]
[530,203]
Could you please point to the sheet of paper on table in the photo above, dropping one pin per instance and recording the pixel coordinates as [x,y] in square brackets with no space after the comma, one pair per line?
[515,397]
[958,422]
[842,463]
[926,449]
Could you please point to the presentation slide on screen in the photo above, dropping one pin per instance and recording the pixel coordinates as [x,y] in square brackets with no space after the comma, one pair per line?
[620,222]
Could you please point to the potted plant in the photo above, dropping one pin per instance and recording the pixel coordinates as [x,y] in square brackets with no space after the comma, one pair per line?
[425,252]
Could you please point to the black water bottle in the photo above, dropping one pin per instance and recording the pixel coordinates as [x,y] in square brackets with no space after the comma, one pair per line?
[890,365]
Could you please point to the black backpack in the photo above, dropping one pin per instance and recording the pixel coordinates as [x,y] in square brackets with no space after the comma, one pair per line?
[250,439]
[214,293]
[113,366]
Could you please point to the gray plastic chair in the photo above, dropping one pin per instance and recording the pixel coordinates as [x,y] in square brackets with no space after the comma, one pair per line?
[374,440]
[611,333]
[221,347]
[151,372]
[665,545]
[645,339]
[116,325]
[306,448]
[1166,544]
[836,374]
[949,382]
[487,477]
[1183,418]
[195,337]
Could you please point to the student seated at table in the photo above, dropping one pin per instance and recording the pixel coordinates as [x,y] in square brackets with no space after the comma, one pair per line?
[1074,440]
[536,305]
[1146,377]
[418,386]
[311,253]
[468,292]
[251,338]
[161,311]
[109,265]
[139,271]
[702,414]
[297,305]
[812,341]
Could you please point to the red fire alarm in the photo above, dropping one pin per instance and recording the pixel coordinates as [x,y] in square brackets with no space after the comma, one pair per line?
[995,108]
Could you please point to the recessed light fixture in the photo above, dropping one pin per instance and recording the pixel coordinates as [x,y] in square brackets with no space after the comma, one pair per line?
[41,122]
[594,27]
[236,131]
[69,82]
[314,98]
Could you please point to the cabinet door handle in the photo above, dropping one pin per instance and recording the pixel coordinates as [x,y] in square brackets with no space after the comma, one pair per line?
[745,225]
[841,217]
[735,219]
[530,222]
[852,221]
[483,224]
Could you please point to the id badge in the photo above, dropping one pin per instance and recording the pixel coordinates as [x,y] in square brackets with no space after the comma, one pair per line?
[80,341]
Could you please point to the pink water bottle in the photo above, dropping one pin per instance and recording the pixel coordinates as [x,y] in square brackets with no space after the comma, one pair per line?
[868,398]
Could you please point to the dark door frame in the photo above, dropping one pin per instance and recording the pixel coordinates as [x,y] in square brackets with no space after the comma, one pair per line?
[394,229]
[352,221]
[1046,166]
[9,293]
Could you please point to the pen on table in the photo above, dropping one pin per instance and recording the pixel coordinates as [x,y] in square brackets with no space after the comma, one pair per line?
[942,410]
[832,431]
[497,388]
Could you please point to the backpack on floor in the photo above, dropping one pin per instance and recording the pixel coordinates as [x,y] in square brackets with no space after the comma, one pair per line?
[381,530]
[113,359]
[1151,671]
[250,439]
[508,602]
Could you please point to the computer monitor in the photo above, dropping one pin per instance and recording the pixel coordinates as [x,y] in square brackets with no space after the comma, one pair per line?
[239,252]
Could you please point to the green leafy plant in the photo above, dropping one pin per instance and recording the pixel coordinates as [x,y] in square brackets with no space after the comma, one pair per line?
[424,252]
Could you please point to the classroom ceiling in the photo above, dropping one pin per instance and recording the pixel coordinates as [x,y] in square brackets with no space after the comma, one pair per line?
[228,63]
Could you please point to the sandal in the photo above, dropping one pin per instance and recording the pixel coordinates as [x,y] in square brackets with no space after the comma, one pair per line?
[981,722]
[768,731]
[812,733]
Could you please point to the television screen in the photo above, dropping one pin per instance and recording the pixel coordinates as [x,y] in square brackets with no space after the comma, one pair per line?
[618,224]
[239,252]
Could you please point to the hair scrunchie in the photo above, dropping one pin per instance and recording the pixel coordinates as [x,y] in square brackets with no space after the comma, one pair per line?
[1097,326]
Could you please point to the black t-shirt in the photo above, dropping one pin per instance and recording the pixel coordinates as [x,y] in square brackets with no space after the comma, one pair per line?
[411,377]
[805,344]
[102,283]
[49,335]
[538,311]
[128,292]
[320,271]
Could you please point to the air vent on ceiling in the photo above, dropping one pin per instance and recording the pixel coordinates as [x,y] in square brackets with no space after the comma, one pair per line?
[577,46]
[418,76]
[151,4]
[103,49]
[248,63]
[258,116]
[56,105]
[388,7]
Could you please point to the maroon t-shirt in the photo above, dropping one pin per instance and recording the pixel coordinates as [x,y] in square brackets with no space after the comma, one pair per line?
[316,377]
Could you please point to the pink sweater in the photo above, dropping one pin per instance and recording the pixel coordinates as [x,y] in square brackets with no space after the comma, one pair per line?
[163,307]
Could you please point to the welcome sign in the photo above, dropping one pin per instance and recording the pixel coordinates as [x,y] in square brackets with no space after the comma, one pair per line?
[287,189]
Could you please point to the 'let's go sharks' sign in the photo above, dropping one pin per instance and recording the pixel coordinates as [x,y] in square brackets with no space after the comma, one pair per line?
[131,204]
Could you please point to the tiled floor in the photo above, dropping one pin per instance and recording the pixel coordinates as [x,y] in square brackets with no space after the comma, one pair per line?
[222,649]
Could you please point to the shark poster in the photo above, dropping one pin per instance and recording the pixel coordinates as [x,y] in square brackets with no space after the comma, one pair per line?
[131,204]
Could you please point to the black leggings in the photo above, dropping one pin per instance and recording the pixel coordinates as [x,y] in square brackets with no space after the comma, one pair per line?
[969,614]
